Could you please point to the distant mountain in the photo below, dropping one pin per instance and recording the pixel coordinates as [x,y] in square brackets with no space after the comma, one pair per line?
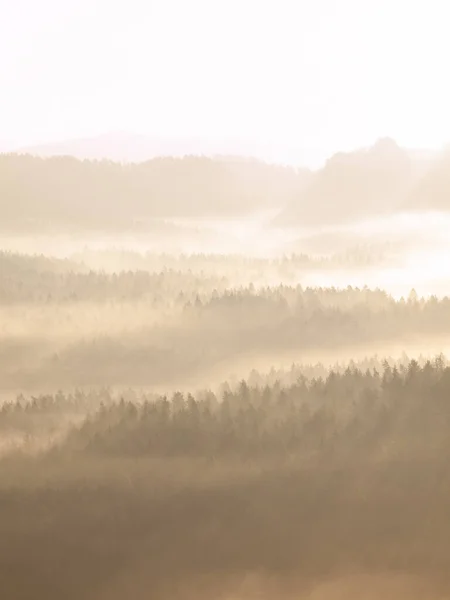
[366,182]
[118,147]
[128,148]
[66,192]
[119,180]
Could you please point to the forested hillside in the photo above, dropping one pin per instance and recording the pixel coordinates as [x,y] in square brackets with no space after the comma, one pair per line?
[62,193]
[357,185]
[66,193]
[329,484]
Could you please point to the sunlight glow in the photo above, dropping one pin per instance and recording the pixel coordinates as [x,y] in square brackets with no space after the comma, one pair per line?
[289,80]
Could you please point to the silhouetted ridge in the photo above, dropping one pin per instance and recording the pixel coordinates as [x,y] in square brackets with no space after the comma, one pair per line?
[69,193]
[353,185]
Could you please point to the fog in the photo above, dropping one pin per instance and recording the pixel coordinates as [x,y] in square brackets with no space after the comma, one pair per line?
[224,300]
[396,253]
[222,378]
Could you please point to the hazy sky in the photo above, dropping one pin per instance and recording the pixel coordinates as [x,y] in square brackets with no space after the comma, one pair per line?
[317,75]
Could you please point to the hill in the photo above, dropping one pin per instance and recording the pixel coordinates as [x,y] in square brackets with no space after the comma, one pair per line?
[121,147]
[357,184]
[66,192]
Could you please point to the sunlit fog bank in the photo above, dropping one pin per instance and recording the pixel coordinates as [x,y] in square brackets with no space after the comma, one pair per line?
[410,250]
[397,253]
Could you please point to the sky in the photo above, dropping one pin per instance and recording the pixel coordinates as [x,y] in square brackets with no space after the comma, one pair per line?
[295,78]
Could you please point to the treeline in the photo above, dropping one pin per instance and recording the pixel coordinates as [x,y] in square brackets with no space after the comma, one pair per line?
[352,415]
[14,414]
[24,413]
[287,317]
[239,266]
[172,339]
[132,276]
[396,412]
[399,408]
[14,265]
[70,194]
[160,289]
[34,424]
